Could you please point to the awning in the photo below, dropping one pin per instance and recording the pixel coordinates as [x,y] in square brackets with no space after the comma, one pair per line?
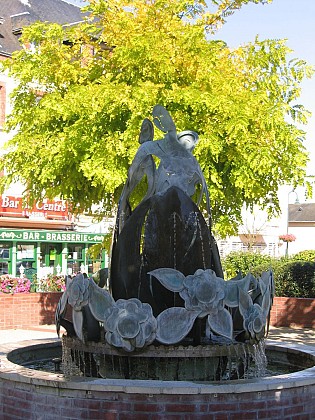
[20,223]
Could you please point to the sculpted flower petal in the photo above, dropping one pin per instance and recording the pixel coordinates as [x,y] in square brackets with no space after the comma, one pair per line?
[128,327]
[205,292]
[132,305]
[140,340]
[140,316]
[220,293]
[184,294]
[200,272]
[110,323]
[258,324]
[149,330]
[77,318]
[174,324]
[221,323]
[189,282]
[114,339]
[146,308]
[120,303]
[128,345]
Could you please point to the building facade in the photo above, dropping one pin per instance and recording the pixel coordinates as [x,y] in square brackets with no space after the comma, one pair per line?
[41,252]
[258,234]
[45,239]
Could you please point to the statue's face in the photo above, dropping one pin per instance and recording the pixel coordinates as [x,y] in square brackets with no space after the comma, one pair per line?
[188,141]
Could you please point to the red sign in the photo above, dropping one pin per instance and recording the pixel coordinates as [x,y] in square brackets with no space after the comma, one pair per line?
[47,209]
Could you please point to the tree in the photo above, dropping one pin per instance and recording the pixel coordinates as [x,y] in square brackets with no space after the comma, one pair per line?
[77,115]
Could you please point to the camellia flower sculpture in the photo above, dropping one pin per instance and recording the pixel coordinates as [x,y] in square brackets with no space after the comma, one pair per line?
[130,324]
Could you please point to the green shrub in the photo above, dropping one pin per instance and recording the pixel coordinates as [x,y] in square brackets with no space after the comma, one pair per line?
[307,255]
[283,282]
[243,262]
[293,278]
[301,275]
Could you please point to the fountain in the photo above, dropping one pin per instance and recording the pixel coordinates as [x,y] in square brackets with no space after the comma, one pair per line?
[170,336]
[169,314]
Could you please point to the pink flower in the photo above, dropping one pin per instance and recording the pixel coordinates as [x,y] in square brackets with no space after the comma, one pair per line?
[14,285]
[53,283]
[288,237]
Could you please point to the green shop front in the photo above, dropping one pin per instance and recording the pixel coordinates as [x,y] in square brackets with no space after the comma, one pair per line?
[42,252]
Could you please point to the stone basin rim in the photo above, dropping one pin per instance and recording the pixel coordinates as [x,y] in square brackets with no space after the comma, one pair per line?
[17,373]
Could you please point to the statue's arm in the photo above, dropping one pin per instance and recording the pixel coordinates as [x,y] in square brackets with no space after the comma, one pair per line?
[143,164]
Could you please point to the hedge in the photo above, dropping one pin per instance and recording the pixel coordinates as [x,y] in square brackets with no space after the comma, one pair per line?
[293,277]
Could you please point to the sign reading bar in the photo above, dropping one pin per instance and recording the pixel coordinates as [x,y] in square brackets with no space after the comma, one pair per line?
[50,209]
[49,236]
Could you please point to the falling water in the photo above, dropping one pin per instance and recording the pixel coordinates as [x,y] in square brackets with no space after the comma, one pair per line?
[174,239]
[260,358]
[201,240]
[226,362]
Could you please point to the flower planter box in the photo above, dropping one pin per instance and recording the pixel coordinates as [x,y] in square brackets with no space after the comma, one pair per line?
[28,310]
[293,312]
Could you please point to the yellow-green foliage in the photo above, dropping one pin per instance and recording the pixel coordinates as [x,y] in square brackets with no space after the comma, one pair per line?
[82,113]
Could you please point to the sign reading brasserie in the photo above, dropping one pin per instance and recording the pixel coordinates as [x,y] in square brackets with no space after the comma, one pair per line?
[13,207]
[49,236]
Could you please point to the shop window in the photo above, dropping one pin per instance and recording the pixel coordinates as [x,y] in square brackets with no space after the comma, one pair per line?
[95,264]
[25,251]
[4,268]
[50,259]
[75,252]
[4,252]
[25,263]
[75,258]
[5,258]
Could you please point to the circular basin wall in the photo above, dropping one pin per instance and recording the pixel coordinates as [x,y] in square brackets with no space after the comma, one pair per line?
[32,394]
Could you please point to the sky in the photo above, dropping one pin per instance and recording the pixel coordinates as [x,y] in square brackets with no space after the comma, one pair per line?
[282,19]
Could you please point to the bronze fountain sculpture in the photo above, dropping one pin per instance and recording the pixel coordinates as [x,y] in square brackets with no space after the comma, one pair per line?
[168,301]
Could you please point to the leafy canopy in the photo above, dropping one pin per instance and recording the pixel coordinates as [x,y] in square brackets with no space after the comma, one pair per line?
[83,91]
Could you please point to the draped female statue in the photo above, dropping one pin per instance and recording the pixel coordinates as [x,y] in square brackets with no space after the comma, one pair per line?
[166,229]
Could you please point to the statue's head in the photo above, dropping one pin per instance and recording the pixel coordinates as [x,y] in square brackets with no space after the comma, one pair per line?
[188,139]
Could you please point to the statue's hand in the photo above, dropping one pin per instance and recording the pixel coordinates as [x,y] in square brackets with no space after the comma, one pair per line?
[162,119]
[146,132]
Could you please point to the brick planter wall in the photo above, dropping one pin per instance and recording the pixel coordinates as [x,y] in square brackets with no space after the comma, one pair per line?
[293,312]
[27,310]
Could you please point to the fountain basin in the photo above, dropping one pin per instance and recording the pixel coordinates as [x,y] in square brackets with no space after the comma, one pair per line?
[27,393]
[201,363]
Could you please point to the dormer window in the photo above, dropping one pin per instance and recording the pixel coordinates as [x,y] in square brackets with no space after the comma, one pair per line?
[20,20]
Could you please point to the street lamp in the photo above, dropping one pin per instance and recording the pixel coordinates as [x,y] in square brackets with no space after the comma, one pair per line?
[296,202]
